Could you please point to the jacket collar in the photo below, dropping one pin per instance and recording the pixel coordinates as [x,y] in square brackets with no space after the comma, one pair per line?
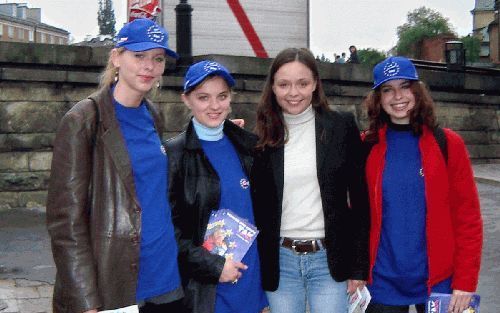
[243,140]
[106,110]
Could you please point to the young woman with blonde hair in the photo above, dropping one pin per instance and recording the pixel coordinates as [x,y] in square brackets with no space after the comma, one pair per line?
[108,215]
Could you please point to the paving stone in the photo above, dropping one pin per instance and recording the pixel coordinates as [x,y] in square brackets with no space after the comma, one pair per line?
[7,283]
[28,283]
[7,292]
[12,306]
[40,305]
[45,291]
[26,293]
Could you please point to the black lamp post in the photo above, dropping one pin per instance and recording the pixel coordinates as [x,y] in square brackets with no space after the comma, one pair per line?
[455,55]
[183,32]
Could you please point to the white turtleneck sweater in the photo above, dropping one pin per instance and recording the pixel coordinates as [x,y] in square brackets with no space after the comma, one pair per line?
[302,216]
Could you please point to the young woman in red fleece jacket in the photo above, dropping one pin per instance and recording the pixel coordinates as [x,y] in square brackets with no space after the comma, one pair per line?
[426,227]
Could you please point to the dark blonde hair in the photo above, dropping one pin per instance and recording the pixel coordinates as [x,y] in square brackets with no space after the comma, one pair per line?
[422,114]
[270,126]
[108,75]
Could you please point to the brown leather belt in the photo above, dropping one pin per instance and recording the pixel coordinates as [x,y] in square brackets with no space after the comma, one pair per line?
[300,246]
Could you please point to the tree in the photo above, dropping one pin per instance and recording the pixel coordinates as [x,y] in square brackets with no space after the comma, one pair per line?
[422,23]
[472,46]
[106,18]
[370,56]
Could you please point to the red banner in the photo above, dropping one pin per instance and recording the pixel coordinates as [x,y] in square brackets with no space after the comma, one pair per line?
[143,9]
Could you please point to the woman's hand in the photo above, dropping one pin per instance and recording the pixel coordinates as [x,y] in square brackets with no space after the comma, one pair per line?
[238,122]
[231,271]
[459,301]
[353,284]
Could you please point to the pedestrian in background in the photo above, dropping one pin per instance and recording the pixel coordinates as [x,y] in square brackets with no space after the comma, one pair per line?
[353,58]
[342,58]
[108,215]
[426,227]
[314,243]
[210,164]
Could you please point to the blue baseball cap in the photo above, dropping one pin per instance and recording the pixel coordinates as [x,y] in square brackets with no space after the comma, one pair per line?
[393,68]
[201,70]
[143,34]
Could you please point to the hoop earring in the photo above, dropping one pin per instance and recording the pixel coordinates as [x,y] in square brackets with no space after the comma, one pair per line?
[116,76]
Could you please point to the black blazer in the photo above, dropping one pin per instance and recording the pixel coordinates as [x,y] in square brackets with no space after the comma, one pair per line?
[340,167]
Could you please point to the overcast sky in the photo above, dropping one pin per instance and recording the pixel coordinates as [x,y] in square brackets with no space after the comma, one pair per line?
[335,25]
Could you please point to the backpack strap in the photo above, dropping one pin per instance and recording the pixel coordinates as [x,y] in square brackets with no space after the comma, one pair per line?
[440,136]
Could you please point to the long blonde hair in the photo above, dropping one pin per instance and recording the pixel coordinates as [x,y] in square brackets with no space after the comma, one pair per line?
[107,77]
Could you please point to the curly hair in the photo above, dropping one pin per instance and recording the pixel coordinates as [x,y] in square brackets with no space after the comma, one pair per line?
[422,114]
[270,125]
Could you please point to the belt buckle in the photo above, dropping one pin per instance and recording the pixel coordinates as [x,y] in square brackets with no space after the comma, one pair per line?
[294,246]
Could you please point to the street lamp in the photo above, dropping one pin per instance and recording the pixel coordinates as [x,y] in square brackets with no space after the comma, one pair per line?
[455,55]
[183,32]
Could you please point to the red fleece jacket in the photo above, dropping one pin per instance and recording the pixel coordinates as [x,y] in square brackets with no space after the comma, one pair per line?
[454,227]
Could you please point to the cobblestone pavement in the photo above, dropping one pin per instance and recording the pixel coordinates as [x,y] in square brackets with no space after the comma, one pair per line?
[27,270]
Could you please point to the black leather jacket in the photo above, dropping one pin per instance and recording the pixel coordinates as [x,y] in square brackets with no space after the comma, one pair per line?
[194,191]
[93,213]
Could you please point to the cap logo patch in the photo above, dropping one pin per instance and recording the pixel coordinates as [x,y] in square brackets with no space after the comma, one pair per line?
[391,69]
[212,66]
[155,34]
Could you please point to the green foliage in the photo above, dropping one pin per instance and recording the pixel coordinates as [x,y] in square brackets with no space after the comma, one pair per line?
[370,56]
[421,23]
[106,18]
[472,46]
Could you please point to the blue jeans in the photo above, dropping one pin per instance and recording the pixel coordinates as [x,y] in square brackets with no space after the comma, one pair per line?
[305,278]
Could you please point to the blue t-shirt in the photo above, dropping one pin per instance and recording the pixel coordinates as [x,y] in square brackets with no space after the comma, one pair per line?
[247,296]
[401,271]
[158,270]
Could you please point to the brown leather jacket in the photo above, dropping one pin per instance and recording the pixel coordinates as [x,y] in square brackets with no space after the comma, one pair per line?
[93,213]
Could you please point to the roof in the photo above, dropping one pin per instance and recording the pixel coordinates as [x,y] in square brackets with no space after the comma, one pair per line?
[484,5]
[32,23]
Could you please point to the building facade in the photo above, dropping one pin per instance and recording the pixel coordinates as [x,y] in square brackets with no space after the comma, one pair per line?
[484,19]
[243,28]
[22,24]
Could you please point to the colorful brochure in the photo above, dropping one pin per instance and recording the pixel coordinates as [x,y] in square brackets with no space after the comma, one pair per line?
[359,300]
[229,235]
[439,302]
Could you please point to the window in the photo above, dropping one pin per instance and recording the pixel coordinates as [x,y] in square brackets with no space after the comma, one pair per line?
[1,30]
[10,31]
[31,35]
[52,39]
[42,38]
[20,34]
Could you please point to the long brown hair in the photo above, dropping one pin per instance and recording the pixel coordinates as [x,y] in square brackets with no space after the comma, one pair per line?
[422,114]
[270,126]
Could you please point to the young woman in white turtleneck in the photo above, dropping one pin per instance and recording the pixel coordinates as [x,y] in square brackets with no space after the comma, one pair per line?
[313,243]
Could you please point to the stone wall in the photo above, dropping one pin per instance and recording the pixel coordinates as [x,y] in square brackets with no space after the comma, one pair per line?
[39,83]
